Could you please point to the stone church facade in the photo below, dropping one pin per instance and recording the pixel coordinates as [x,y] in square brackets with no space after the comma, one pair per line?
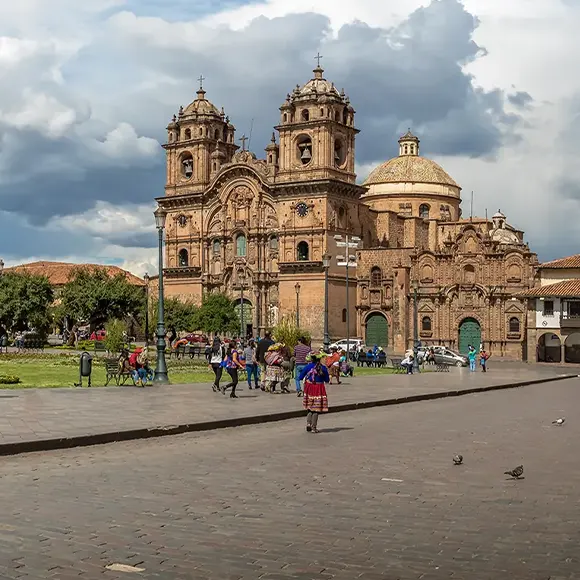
[258,229]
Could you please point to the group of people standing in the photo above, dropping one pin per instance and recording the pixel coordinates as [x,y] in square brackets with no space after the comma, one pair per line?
[268,364]
[472,357]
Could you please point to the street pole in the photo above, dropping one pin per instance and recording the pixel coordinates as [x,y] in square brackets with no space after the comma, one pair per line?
[297,287]
[326,263]
[146,278]
[161,377]
[415,330]
[242,310]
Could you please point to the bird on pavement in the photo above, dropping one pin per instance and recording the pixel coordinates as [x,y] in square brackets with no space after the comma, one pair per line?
[516,473]
[559,421]
[458,459]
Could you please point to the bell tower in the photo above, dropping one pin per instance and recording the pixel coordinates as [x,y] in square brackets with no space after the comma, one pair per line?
[317,132]
[199,139]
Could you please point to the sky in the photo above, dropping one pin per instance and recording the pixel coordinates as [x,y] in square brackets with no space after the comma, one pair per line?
[490,87]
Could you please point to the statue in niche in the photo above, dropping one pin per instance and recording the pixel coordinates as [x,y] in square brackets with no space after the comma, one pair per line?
[364,292]
[274,296]
[272,315]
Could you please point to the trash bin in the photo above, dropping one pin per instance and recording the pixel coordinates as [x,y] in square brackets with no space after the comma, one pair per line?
[85,368]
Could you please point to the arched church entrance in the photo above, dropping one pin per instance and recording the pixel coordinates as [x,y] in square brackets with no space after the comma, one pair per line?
[469,334]
[377,330]
[247,320]
[572,348]
[549,348]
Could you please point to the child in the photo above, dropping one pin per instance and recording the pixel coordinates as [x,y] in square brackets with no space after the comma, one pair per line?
[315,401]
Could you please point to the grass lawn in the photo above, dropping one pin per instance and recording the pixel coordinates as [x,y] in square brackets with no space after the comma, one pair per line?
[62,370]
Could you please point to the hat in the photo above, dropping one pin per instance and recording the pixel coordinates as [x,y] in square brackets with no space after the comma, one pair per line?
[315,356]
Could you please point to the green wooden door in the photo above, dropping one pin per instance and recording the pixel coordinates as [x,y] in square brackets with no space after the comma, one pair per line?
[248,314]
[377,330]
[469,334]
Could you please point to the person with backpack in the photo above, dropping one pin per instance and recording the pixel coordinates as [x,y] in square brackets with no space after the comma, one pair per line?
[232,365]
[217,356]
[315,376]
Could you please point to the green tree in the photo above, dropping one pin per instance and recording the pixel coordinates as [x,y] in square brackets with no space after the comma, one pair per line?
[25,302]
[178,314]
[92,295]
[217,314]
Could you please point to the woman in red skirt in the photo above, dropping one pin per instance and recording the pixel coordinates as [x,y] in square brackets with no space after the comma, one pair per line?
[315,400]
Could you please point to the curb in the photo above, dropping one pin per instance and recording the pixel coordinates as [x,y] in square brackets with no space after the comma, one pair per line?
[147,433]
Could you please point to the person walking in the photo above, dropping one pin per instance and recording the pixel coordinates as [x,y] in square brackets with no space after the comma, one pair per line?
[472,356]
[261,351]
[301,352]
[216,362]
[483,356]
[315,376]
[251,363]
[233,365]
[333,365]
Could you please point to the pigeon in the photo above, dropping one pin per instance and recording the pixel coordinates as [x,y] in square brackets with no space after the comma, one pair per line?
[458,459]
[516,473]
[559,421]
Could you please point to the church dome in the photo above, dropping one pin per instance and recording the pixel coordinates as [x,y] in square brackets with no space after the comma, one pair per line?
[410,169]
[201,106]
[319,86]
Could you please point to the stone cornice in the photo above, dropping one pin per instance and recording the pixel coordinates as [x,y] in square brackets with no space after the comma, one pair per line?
[186,272]
[318,187]
[310,267]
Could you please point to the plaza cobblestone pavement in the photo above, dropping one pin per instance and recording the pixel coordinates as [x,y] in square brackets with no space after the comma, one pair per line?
[374,496]
[41,416]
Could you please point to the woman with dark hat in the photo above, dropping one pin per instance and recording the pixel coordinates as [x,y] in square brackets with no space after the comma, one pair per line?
[315,400]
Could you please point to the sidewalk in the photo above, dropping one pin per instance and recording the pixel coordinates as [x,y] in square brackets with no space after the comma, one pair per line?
[42,419]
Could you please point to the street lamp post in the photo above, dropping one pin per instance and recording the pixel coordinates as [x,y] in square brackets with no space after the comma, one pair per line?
[147,279]
[348,261]
[326,263]
[241,278]
[1,266]
[297,288]
[415,329]
[161,377]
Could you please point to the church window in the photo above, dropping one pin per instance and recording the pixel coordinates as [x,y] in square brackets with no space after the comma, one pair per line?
[303,252]
[345,116]
[339,153]
[170,137]
[469,274]
[426,324]
[344,314]
[273,243]
[216,247]
[201,131]
[188,134]
[285,117]
[186,165]
[183,258]
[514,325]
[424,211]
[336,115]
[214,166]
[304,149]
[376,277]
[216,135]
[269,158]
[406,149]
[225,135]
[241,245]
[305,115]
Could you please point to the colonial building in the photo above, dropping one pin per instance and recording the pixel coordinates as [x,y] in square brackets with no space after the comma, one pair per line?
[553,329]
[258,229]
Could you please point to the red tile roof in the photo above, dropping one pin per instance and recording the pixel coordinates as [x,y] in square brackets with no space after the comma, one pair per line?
[569,262]
[564,289]
[59,273]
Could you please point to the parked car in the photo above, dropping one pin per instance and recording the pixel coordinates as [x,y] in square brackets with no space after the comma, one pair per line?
[354,343]
[449,357]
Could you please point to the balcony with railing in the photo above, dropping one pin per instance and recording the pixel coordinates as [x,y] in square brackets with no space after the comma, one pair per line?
[570,316]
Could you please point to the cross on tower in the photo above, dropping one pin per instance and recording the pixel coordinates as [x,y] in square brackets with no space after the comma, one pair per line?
[243,139]
[201,79]
[318,57]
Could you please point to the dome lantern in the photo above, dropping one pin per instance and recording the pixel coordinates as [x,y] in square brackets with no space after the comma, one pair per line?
[409,144]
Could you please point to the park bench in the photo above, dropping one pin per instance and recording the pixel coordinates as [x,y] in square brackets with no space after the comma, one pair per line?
[381,360]
[100,347]
[114,372]
[396,364]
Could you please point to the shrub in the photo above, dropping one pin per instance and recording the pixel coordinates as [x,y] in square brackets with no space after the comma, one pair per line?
[114,338]
[287,332]
[9,380]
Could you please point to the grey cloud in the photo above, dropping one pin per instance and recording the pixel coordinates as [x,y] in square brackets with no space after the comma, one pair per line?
[521,99]
[411,74]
